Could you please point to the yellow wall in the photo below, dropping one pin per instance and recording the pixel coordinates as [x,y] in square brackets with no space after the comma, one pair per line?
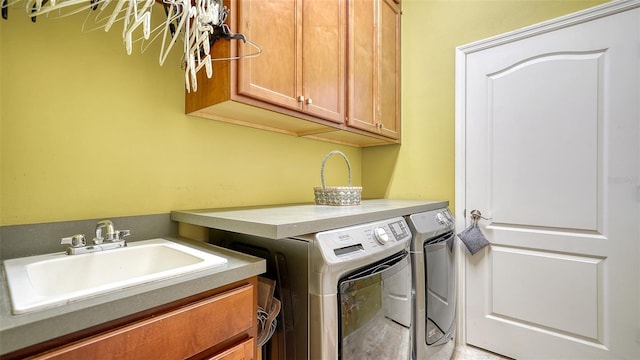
[88,131]
[423,166]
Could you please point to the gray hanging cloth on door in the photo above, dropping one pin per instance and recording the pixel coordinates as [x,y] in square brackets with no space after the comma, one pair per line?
[473,238]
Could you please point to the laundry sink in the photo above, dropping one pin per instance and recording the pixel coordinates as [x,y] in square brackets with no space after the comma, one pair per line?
[44,281]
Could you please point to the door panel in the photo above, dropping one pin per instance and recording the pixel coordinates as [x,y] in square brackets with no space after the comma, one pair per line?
[324,58]
[275,76]
[362,64]
[374,66]
[389,88]
[552,157]
[549,290]
[543,132]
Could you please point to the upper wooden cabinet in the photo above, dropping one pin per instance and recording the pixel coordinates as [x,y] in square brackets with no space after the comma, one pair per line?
[302,63]
[374,66]
[299,83]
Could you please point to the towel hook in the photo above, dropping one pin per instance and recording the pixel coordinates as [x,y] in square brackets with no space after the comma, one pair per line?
[476,215]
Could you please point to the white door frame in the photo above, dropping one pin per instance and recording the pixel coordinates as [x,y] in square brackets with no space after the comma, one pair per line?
[460,120]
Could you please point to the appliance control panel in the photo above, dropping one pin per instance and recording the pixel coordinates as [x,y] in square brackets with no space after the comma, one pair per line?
[363,240]
[433,222]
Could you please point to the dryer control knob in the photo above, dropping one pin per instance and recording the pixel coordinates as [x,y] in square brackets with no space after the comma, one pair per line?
[443,219]
[381,235]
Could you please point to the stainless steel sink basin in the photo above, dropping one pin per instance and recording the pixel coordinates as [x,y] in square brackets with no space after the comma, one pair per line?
[43,281]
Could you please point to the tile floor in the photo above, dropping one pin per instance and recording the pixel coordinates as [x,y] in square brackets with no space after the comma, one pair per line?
[472,353]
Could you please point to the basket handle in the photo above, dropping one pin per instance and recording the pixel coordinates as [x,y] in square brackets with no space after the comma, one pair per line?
[325,160]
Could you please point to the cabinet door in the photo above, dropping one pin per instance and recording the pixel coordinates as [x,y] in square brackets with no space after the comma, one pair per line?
[178,334]
[323,67]
[374,66]
[361,64]
[242,351]
[276,75]
[302,62]
[389,89]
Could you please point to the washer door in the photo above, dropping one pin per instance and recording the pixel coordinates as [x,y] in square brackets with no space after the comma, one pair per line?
[440,288]
[375,311]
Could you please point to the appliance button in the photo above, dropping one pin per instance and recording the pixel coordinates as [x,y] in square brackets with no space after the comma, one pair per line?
[449,216]
[381,235]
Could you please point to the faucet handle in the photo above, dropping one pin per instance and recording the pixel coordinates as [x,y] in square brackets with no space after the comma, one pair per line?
[116,235]
[120,234]
[75,241]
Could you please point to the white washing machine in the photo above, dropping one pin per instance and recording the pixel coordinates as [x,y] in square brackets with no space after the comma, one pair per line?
[345,293]
[434,284]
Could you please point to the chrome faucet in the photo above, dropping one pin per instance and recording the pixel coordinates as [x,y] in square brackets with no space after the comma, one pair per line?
[114,239]
[110,232]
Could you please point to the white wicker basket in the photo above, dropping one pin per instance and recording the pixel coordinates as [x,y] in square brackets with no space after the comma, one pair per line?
[337,195]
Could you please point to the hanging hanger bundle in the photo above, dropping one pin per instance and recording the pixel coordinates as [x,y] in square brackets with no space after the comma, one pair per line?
[207,27]
[199,23]
[205,15]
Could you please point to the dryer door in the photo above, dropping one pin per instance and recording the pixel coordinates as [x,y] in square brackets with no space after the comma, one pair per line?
[440,288]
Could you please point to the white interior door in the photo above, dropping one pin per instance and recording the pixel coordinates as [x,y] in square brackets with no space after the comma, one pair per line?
[550,151]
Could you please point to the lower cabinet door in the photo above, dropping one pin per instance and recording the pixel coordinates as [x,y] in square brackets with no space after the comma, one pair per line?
[177,334]
[242,351]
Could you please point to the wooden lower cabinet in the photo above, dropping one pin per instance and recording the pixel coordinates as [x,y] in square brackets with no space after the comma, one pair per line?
[218,327]
[242,351]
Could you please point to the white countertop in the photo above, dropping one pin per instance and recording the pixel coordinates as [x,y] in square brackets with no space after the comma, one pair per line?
[277,222]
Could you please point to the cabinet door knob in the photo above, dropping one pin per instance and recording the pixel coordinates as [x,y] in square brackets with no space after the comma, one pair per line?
[309,101]
[300,98]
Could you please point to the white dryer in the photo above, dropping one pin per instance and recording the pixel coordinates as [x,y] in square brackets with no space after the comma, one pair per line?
[434,284]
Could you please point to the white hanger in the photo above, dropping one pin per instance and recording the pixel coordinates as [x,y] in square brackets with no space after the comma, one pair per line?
[9,3]
[245,40]
[33,6]
[208,12]
[80,9]
[177,15]
[189,62]
[104,14]
[119,5]
[137,17]
[42,7]
[185,5]
[196,38]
